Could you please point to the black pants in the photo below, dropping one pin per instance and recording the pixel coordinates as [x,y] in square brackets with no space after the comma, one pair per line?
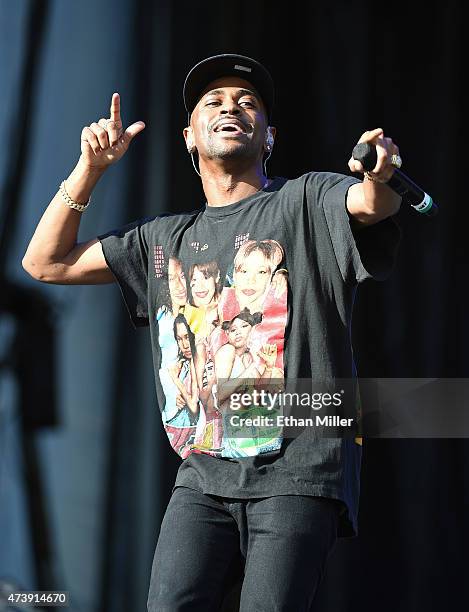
[282,541]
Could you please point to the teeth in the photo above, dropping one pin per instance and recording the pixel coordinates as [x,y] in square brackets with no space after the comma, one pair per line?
[231,126]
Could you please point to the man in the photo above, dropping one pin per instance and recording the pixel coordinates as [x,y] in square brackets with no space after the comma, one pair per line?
[275,503]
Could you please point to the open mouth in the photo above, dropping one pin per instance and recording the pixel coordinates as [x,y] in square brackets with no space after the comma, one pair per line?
[231,127]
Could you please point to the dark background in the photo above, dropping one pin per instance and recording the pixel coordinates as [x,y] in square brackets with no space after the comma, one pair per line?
[85,467]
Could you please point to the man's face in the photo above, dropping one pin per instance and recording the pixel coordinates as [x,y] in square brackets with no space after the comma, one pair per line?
[229,121]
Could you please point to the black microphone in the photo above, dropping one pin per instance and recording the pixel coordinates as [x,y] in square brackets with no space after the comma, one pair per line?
[399,182]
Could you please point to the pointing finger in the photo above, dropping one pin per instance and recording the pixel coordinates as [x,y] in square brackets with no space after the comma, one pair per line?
[116,108]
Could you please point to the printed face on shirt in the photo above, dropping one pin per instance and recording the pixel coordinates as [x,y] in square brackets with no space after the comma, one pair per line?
[182,337]
[252,277]
[177,283]
[238,333]
[202,288]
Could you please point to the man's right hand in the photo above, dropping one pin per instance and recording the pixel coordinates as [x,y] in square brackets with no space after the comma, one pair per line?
[105,142]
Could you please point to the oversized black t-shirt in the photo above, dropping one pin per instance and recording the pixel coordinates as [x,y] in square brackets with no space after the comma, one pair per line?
[260,288]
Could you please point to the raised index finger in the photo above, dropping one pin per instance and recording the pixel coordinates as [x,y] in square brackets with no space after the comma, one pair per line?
[115,107]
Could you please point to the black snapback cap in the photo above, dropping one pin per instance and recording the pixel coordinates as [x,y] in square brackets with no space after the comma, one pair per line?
[228,64]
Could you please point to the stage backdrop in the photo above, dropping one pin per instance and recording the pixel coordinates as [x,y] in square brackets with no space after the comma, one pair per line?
[85,467]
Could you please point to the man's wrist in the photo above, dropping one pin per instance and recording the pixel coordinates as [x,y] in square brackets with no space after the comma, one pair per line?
[86,171]
[373,178]
[82,180]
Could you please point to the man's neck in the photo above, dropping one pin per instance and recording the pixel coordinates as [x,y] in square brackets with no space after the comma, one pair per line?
[226,186]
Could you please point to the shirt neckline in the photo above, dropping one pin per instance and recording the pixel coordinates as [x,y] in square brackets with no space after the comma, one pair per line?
[231,209]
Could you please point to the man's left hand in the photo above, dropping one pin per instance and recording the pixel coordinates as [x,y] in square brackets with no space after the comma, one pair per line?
[372,200]
[385,149]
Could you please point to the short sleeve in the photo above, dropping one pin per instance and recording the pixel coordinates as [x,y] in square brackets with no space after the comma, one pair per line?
[126,254]
[368,253]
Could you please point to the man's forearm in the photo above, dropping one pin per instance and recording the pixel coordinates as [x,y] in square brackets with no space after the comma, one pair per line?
[370,202]
[56,233]
[380,200]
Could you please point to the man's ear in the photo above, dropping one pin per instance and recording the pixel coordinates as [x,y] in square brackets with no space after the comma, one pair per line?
[189,138]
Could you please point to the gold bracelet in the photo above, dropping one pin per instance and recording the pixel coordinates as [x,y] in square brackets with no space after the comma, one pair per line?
[282,270]
[69,202]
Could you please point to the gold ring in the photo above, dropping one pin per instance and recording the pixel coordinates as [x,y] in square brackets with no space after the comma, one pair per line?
[396,161]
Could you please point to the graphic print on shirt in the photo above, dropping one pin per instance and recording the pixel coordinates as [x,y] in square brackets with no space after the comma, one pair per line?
[221,328]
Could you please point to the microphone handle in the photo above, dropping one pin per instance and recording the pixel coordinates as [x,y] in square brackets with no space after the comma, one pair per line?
[400,183]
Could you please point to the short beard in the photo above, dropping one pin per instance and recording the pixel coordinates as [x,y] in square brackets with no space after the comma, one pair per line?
[220,150]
